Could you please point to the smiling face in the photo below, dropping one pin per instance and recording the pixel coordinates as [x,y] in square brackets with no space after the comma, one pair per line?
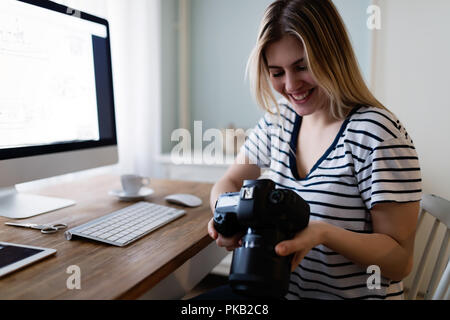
[289,75]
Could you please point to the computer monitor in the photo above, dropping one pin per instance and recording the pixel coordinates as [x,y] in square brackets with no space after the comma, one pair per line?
[56,99]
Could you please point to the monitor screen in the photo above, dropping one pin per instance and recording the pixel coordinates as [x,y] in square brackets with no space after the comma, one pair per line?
[56,99]
[56,80]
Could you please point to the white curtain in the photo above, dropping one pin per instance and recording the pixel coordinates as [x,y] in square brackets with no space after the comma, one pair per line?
[135,45]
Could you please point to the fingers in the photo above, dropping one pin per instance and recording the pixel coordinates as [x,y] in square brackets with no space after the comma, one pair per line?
[231,248]
[211,230]
[227,243]
[298,257]
[288,247]
[230,243]
[285,248]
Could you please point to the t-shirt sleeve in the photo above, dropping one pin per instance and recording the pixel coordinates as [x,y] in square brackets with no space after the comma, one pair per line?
[390,173]
[258,143]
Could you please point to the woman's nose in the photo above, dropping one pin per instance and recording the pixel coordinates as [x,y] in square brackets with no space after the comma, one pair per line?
[292,83]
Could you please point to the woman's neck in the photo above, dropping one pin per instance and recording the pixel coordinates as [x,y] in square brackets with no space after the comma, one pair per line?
[320,119]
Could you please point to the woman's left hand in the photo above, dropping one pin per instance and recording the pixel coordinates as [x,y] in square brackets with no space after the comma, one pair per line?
[302,243]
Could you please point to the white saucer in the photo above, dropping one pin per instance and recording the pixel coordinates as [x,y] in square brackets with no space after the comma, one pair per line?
[122,195]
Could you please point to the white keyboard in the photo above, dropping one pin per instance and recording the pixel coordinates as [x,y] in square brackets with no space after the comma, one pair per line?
[126,225]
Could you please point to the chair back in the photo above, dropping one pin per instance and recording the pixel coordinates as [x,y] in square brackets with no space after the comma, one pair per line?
[438,287]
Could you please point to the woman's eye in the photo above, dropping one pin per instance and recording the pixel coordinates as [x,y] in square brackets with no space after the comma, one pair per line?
[300,68]
[277,74]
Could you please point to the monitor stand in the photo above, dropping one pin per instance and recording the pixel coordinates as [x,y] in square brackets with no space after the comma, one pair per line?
[16,205]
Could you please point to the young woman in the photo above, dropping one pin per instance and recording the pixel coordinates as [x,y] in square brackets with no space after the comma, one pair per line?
[339,148]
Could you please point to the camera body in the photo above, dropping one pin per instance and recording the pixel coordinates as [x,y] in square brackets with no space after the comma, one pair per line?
[269,216]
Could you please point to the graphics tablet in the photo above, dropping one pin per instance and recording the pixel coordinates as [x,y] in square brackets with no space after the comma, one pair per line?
[15,256]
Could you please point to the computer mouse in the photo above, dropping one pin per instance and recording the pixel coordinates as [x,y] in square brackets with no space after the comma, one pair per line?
[184,199]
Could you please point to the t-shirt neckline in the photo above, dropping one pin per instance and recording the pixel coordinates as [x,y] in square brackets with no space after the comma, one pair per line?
[293,145]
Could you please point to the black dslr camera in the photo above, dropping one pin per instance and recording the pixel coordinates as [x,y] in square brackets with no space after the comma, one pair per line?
[270,216]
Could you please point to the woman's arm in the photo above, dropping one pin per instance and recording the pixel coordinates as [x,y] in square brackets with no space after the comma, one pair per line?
[390,246]
[234,178]
[231,182]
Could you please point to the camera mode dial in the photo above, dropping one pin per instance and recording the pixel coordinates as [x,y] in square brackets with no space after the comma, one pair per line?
[276,197]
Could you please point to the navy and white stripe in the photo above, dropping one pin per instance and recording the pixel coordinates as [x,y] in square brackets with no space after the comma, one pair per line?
[372,160]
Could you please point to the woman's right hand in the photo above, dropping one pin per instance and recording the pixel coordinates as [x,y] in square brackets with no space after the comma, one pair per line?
[230,243]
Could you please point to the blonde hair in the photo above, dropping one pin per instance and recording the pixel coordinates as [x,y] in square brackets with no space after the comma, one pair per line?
[330,57]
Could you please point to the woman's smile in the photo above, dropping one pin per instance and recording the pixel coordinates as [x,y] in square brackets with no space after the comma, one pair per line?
[301,98]
[290,76]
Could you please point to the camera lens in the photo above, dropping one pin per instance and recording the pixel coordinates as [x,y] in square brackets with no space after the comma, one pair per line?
[276,197]
[256,270]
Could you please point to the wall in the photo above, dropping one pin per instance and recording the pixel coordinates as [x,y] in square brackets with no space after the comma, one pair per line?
[223,33]
[411,77]
[354,14]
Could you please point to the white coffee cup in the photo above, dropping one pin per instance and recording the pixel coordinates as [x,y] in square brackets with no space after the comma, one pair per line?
[132,183]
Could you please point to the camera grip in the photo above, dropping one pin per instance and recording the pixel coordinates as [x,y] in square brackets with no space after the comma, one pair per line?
[226,223]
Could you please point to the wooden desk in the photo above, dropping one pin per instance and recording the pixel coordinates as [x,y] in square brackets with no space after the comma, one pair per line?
[107,272]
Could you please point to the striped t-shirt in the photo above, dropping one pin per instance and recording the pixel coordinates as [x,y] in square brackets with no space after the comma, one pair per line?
[371,160]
